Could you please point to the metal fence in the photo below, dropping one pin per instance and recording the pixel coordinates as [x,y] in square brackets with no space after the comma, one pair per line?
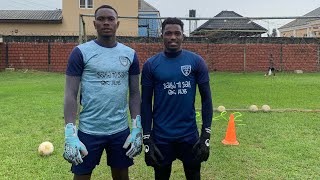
[135,39]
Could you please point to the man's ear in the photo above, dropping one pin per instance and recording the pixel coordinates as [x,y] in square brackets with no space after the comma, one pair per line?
[118,23]
[94,24]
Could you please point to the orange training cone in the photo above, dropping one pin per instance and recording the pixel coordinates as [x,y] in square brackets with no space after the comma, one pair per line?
[230,138]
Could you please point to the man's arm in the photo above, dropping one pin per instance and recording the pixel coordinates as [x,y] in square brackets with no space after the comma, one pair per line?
[201,149]
[206,105]
[146,106]
[70,99]
[73,75]
[203,81]
[74,149]
[152,153]
[135,138]
[134,96]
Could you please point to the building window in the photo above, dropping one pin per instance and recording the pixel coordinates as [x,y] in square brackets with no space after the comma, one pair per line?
[86,4]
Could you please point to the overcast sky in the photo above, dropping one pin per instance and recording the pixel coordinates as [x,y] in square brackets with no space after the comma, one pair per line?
[204,8]
[30,4]
[246,8]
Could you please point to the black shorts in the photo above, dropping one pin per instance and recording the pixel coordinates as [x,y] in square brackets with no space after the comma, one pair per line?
[95,144]
[178,149]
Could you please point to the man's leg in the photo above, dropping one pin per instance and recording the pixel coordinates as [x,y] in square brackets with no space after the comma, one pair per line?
[120,174]
[167,150]
[116,156]
[162,173]
[185,154]
[93,143]
[82,177]
[270,71]
[192,172]
[273,71]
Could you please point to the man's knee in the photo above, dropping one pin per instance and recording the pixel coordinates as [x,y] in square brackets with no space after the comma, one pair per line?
[120,173]
[82,176]
[163,172]
[192,172]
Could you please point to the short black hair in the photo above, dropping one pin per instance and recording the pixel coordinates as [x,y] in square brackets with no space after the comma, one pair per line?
[172,21]
[104,6]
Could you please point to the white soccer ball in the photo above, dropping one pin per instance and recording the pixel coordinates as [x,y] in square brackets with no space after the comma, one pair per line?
[46,148]
[253,108]
[265,108]
[221,108]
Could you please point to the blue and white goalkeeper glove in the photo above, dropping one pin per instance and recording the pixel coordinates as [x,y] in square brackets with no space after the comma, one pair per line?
[74,149]
[134,139]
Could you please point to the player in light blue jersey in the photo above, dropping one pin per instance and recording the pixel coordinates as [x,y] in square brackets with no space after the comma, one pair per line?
[105,71]
[169,126]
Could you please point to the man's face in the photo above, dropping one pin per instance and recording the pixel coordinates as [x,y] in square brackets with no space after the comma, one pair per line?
[172,37]
[106,22]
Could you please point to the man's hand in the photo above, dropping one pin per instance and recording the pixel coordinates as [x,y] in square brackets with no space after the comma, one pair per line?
[152,153]
[201,149]
[74,149]
[134,139]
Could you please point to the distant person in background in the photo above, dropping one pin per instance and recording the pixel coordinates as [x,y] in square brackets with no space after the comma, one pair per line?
[170,129]
[105,70]
[271,69]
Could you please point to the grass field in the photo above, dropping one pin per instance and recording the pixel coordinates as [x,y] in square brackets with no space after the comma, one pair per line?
[274,145]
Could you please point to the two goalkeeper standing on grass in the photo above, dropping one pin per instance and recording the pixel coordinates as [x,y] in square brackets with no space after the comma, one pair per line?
[106,70]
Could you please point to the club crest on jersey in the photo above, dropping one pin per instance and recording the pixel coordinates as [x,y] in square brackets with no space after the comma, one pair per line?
[186,70]
[124,60]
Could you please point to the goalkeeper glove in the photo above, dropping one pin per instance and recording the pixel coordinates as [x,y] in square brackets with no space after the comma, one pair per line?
[74,149]
[134,139]
[152,153]
[201,149]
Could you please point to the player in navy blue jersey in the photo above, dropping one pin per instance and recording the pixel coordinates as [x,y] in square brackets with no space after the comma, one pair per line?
[169,126]
[106,71]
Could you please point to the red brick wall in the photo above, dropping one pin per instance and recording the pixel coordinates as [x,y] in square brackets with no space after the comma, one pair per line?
[302,57]
[59,56]
[257,57]
[145,50]
[219,57]
[28,56]
[2,56]
[226,57]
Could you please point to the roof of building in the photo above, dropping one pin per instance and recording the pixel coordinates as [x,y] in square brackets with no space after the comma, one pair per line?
[146,7]
[301,22]
[230,24]
[31,16]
